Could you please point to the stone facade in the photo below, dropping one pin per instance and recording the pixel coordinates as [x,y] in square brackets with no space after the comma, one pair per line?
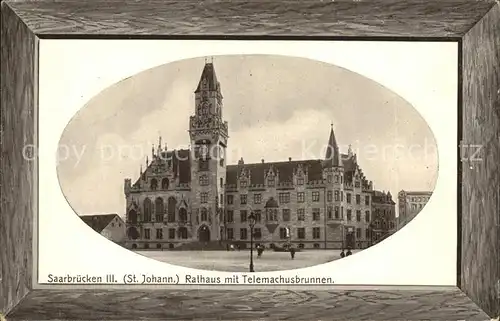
[410,203]
[383,221]
[185,196]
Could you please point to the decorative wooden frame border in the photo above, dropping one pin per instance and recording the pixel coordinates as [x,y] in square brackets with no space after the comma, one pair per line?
[475,25]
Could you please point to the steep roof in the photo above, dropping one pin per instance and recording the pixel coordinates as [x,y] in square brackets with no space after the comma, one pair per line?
[208,74]
[98,222]
[179,160]
[382,198]
[332,152]
[286,170]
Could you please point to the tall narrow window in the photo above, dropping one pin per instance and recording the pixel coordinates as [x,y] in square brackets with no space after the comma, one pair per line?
[159,209]
[147,210]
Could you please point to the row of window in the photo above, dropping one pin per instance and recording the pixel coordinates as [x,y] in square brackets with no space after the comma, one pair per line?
[272,215]
[153,184]
[284,233]
[300,181]
[182,233]
[171,246]
[284,198]
[417,206]
[382,224]
[419,199]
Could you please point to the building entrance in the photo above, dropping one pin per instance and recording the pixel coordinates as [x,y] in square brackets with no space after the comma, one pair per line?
[204,234]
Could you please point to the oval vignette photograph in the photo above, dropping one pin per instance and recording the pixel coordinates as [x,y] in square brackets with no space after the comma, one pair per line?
[247,163]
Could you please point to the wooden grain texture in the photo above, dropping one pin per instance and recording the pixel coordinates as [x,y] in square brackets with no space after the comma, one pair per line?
[288,18]
[18,52]
[481,177]
[248,305]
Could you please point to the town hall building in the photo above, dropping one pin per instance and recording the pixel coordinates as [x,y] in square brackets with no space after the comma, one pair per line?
[191,196]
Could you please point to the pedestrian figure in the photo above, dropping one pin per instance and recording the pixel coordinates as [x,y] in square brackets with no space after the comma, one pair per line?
[348,252]
[292,253]
[260,249]
[342,254]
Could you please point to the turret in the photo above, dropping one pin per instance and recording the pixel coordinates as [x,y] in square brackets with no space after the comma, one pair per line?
[127,186]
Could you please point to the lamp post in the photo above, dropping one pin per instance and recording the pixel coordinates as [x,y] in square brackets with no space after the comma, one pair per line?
[251,222]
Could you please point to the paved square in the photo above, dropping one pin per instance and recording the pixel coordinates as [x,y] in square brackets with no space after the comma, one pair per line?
[238,261]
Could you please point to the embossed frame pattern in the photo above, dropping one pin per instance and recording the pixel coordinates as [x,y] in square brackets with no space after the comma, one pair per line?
[475,25]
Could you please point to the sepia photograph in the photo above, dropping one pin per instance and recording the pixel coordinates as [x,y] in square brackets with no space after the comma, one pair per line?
[245,163]
[314,160]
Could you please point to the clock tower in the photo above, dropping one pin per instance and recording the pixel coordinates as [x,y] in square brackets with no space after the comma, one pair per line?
[208,134]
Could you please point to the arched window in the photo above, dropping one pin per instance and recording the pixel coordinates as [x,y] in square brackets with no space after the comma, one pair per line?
[164,183]
[183,215]
[154,184]
[147,210]
[172,203]
[204,214]
[132,217]
[159,209]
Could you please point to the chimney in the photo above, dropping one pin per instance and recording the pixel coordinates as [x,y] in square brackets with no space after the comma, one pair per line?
[289,159]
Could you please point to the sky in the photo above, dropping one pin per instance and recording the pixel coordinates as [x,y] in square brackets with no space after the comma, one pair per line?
[277,107]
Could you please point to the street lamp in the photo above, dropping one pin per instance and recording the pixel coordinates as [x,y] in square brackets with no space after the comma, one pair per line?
[251,222]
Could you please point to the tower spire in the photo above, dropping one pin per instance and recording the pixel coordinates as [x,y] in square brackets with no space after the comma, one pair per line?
[208,80]
[332,151]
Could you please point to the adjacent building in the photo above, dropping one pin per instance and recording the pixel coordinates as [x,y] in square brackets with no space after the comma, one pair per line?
[383,223]
[191,195]
[110,226]
[410,203]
